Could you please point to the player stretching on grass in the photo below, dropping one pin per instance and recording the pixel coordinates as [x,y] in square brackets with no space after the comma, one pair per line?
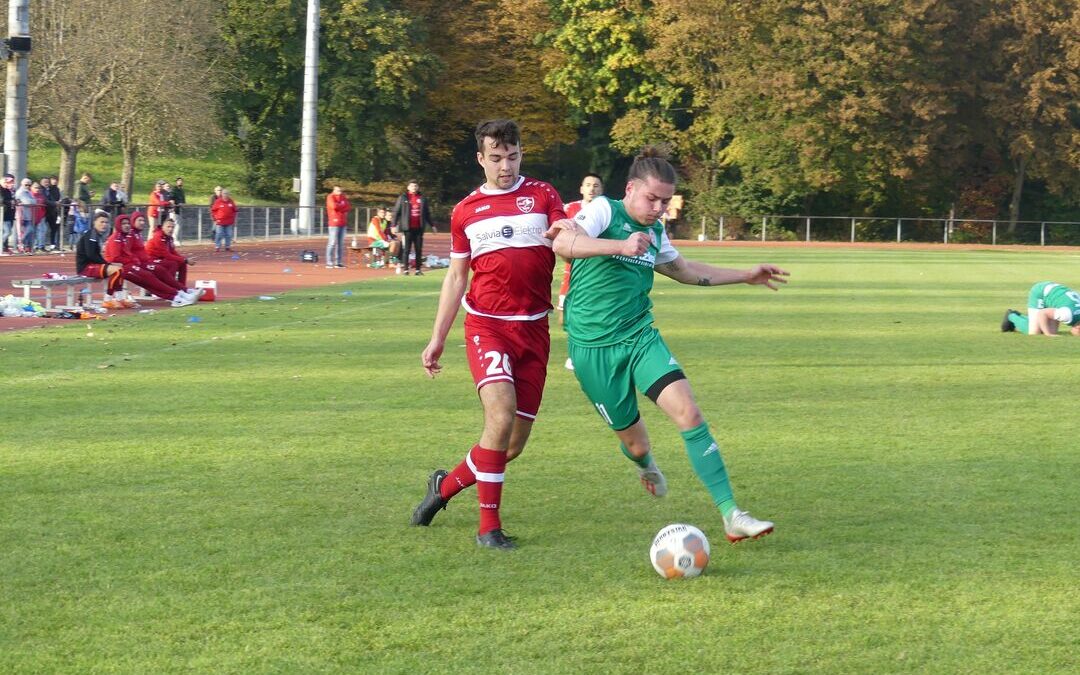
[501,232]
[1049,304]
[613,344]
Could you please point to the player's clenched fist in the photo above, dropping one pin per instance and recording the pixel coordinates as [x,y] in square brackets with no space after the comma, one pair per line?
[635,245]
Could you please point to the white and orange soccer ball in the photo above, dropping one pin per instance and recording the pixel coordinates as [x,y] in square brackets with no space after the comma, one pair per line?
[679,551]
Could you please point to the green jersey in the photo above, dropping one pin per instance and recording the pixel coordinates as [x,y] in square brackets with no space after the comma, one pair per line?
[609,300]
[1064,301]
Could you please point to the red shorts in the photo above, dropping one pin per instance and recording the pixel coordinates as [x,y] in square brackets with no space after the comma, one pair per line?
[93,270]
[510,351]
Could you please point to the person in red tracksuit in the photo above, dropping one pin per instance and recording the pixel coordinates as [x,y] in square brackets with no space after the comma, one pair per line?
[120,248]
[162,247]
[138,226]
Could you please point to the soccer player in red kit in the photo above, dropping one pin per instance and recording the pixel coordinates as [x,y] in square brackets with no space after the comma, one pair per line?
[502,232]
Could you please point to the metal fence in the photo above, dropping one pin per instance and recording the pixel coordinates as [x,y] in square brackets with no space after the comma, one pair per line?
[867,229]
[252,222]
[265,222]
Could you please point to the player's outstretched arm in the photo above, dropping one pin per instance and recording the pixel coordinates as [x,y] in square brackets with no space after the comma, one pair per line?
[453,288]
[699,274]
[578,244]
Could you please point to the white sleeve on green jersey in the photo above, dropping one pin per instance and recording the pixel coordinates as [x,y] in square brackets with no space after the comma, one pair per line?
[594,217]
[1063,314]
[667,252]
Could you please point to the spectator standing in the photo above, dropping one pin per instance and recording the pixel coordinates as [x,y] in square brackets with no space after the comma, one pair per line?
[54,198]
[411,216]
[7,195]
[114,200]
[80,222]
[24,215]
[337,215]
[85,194]
[178,198]
[36,242]
[217,194]
[162,247]
[223,211]
[160,203]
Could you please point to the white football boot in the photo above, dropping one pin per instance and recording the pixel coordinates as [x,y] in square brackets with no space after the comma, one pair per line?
[653,480]
[742,525]
[182,300]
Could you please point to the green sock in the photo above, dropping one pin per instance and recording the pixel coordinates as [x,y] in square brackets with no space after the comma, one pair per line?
[705,457]
[1020,321]
[642,462]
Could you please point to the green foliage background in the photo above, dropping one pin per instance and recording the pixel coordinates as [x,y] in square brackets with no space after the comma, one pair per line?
[776,106]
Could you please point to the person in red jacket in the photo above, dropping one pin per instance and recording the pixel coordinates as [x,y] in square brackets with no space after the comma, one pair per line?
[121,248]
[223,211]
[138,246]
[162,247]
[337,215]
[160,203]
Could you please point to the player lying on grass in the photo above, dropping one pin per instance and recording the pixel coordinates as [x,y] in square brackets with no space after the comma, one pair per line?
[612,341]
[501,233]
[1049,305]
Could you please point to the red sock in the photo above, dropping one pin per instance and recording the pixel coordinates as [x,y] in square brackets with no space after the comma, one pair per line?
[460,478]
[489,466]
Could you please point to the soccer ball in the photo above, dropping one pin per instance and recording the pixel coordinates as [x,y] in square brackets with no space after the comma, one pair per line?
[679,550]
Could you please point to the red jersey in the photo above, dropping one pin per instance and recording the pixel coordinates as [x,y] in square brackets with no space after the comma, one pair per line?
[161,247]
[414,211]
[502,231]
[573,208]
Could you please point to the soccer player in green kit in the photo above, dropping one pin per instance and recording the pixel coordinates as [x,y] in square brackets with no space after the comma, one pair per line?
[1049,305]
[613,343]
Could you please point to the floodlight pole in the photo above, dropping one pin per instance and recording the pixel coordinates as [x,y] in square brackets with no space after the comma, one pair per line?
[16,50]
[310,121]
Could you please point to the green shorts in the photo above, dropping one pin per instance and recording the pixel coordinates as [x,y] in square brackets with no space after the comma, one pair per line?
[609,375]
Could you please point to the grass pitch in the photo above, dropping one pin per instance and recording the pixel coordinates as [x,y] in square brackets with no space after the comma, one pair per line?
[231,495]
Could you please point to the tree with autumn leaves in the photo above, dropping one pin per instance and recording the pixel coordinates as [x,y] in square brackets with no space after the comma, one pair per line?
[875,106]
[880,107]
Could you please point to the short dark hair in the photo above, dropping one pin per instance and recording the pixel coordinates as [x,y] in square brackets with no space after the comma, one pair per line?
[652,162]
[592,175]
[505,132]
[411,181]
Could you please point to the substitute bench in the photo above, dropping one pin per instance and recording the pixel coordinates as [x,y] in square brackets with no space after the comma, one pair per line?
[70,284]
